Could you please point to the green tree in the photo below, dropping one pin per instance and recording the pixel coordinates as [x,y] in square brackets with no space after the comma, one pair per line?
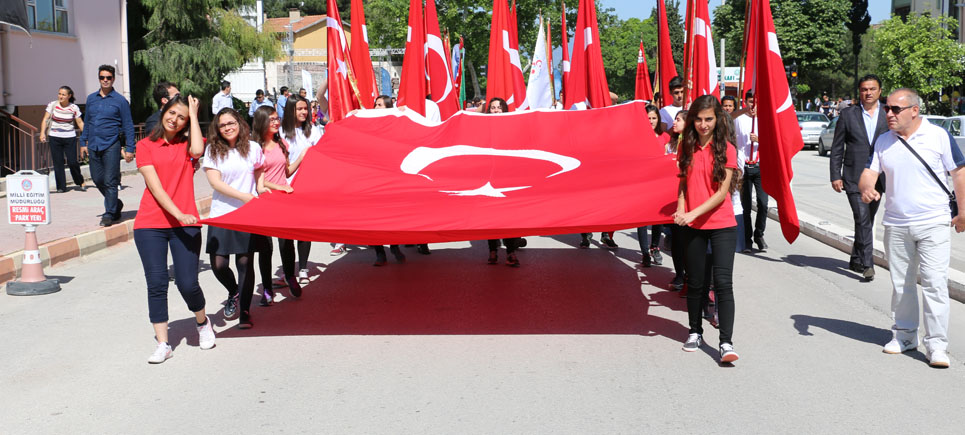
[919,53]
[280,8]
[620,44]
[194,50]
[858,23]
[675,23]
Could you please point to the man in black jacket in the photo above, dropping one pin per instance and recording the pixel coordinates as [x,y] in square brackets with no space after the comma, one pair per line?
[163,91]
[857,129]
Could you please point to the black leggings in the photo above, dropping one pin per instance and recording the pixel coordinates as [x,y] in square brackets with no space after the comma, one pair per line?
[246,276]
[722,242]
[510,243]
[677,249]
[287,250]
[649,241]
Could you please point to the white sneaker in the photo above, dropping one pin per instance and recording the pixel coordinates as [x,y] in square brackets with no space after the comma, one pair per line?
[303,275]
[338,250]
[727,353]
[161,354]
[206,335]
[895,347]
[693,342]
[938,358]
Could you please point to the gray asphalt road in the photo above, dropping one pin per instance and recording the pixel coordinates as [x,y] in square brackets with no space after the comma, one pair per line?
[813,194]
[575,341]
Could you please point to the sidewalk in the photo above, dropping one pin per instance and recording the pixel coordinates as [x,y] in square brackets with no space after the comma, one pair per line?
[75,229]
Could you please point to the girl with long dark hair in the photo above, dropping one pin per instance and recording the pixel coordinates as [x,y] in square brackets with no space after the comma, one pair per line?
[300,134]
[708,163]
[279,165]
[498,105]
[650,244]
[234,167]
[167,220]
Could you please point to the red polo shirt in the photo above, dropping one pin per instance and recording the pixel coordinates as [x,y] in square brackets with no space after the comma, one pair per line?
[700,187]
[175,169]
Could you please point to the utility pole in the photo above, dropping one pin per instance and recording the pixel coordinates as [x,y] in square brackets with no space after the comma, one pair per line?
[723,68]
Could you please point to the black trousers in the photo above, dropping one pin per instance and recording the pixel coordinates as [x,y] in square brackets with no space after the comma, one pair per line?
[60,147]
[722,243]
[511,244]
[651,240]
[752,180]
[862,251]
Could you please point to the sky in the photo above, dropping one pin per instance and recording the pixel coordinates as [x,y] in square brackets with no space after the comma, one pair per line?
[879,10]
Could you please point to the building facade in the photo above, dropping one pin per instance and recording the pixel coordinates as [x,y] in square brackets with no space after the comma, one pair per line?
[935,8]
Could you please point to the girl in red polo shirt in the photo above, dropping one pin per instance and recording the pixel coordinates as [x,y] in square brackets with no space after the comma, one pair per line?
[708,165]
[167,219]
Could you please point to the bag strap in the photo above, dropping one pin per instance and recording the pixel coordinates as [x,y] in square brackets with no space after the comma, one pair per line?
[951,196]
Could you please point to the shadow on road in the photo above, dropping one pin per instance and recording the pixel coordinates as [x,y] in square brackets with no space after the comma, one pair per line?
[454,292]
[831,264]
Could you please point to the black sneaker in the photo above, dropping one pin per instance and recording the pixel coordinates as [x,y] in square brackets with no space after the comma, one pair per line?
[231,308]
[655,255]
[609,242]
[645,261]
[493,257]
[107,221]
[267,298]
[294,287]
[379,260]
[245,322]
[397,253]
[424,249]
[761,244]
[585,243]
[511,260]
[693,342]
[678,283]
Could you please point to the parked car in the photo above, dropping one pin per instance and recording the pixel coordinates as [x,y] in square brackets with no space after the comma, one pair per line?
[934,119]
[827,137]
[956,126]
[812,123]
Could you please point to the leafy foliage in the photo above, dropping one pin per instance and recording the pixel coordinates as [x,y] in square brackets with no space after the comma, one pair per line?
[193,50]
[620,44]
[919,53]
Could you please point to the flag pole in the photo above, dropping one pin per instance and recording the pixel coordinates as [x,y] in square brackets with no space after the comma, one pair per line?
[740,85]
[688,50]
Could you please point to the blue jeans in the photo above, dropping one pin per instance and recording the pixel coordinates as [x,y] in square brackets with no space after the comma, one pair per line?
[105,171]
[185,246]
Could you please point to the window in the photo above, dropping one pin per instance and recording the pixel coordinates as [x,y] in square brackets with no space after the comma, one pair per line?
[48,15]
[956,127]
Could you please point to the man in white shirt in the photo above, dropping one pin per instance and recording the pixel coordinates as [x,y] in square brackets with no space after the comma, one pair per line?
[916,220]
[667,113]
[222,99]
[746,128]
[432,110]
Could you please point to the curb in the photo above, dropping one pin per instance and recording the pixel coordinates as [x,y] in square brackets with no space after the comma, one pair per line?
[834,236]
[81,245]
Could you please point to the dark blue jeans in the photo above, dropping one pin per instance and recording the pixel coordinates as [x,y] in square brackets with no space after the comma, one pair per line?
[105,171]
[59,148]
[185,246]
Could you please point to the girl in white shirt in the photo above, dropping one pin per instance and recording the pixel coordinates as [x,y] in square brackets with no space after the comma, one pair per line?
[300,135]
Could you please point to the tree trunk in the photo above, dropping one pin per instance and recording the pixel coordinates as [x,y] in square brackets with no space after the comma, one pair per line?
[475,80]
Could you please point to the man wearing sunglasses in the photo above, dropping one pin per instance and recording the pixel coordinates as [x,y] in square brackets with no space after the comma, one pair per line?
[916,220]
[106,117]
[854,135]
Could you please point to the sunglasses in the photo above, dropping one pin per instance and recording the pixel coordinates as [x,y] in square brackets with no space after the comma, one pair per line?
[106,77]
[895,109]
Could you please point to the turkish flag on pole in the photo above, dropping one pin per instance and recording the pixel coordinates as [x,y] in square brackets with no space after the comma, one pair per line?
[703,69]
[387,177]
[643,89]
[780,135]
[519,84]
[499,72]
[750,51]
[587,84]
[666,68]
[341,99]
[361,60]
[566,57]
[413,87]
[437,64]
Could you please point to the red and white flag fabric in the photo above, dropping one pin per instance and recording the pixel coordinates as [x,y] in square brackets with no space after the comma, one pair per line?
[750,51]
[390,177]
[666,68]
[413,86]
[499,72]
[587,84]
[520,99]
[565,64]
[441,85]
[780,134]
[341,98]
[703,70]
[643,89]
[539,91]
[361,60]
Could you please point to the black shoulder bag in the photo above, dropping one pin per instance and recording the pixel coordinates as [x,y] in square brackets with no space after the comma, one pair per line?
[952,201]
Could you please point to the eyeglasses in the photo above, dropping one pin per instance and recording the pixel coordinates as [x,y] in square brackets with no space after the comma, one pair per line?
[106,77]
[225,125]
[274,120]
[895,109]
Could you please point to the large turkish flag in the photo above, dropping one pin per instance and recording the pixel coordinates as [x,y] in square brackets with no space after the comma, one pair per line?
[390,177]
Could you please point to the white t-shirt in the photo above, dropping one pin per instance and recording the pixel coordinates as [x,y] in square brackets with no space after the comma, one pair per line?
[744,125]
[667,115]
[432,111]
[735,197]
[62,119]
[237,172]
[301,143]
[912,197]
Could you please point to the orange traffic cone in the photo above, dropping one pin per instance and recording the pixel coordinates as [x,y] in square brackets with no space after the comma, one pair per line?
[32,279]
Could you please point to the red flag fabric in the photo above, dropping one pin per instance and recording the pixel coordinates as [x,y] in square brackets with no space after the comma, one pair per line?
[437,65]
[666,68]
[750,51]
[519,84]
[643,89]
[702,73]
[587,84]
[499,72]
[389,177]
[361,60]
[780,135]
[341,98]
[566,56]
[413,86]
